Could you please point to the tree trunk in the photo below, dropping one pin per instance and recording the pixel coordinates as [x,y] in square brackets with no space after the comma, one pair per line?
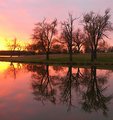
[78,50]
[70,54]
[92,55]
[95,54]
[47,70]
[93,72]
[70,87]
[47,55]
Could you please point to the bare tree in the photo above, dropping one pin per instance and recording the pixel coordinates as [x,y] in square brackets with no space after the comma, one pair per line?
[33,47]
[103,46]
[67,34]
[79,39]
[96,27]
[14,45]
[86,45]
[43,34]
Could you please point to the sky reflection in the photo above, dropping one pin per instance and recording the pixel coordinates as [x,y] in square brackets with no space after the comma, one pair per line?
[54,92]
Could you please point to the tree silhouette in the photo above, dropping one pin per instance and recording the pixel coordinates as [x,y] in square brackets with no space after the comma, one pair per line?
[103,46]
[67,34]
[14,45]
[70,82]
[96,26]
[79,39]
[42,84]
[85,83]
[13,69]
[43,35]
[93,98]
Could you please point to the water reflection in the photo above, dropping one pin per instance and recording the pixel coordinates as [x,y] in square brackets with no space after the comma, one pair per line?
[69,82]
[13,69]
[32,91]
[93,98]
[42,84]
[64,89]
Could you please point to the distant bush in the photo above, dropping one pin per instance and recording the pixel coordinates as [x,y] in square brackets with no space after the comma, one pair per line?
[16,53]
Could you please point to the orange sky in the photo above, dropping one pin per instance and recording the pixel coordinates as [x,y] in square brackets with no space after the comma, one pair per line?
[18,17]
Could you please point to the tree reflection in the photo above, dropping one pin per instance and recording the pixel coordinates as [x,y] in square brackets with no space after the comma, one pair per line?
[42,84]
[93,98]
[86,83]
[69,82]
[13,69]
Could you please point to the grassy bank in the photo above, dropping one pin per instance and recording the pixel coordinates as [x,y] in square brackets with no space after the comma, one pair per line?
[62,58]
[77,58]
[82,60]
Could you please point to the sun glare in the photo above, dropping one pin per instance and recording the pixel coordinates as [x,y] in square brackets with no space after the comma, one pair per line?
[3,45]
[3,66]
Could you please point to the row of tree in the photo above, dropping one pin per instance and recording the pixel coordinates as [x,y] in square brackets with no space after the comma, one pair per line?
[86,85]
[95,27]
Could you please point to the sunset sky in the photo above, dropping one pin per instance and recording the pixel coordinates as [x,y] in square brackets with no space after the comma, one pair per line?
[17,17]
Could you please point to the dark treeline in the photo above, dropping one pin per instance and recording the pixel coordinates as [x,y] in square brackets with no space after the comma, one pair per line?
[15,53]
[47,39]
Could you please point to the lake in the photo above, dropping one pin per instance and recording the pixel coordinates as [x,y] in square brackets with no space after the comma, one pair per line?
[43,92]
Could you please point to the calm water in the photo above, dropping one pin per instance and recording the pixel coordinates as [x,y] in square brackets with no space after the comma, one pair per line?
[42,92]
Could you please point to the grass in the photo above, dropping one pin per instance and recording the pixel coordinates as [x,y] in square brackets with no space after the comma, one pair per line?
[76,58]
[104,59]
